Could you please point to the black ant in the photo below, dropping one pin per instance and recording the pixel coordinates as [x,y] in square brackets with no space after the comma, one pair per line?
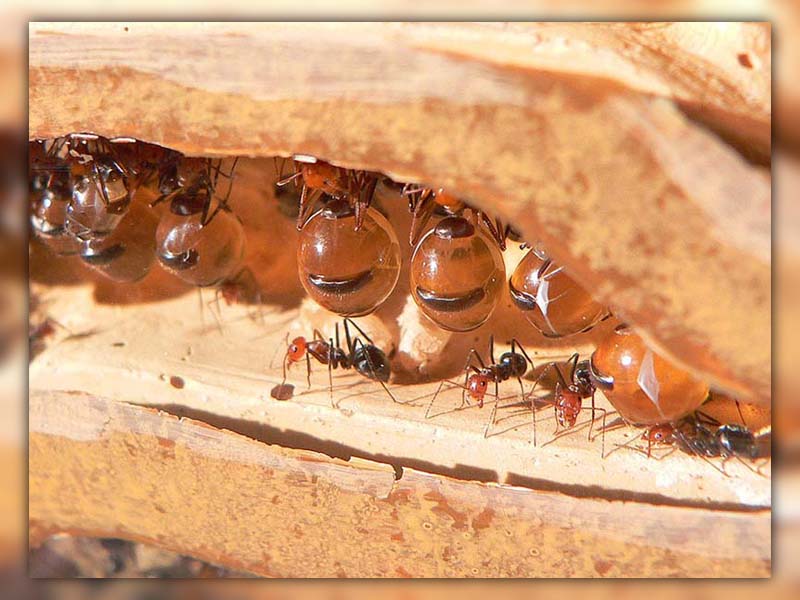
[704,436]
[317,178]
[423,202]
[569,395]
[477,378]
[97,167]
[242,288]
[190,184]
[366,358]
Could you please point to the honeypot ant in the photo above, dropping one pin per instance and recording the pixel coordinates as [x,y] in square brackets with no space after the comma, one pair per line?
[95,164]
[190,185]
[512,364]
[568,397]
[317,178]
[366,358]
[424,201]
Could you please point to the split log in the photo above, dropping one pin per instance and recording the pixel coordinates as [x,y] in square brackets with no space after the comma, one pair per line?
[577,134]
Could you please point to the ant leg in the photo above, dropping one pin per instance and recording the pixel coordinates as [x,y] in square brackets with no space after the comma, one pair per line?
[374,375]
[603,434]
[627,444]
[574,360]
[422,213]
[361,331]
[308,369]
[591,423]
[330,377]
[433,399]
[351,346]
[494,409]
[518,344]
[289,179]
[749,467]
[739,410]
[218,314]
[495,232]
[365,195]
[491,349]
[532,396]
[301,213]
[202,312]
[274,354]
[687,444]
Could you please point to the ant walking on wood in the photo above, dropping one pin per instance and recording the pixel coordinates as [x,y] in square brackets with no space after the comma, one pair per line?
[478,377]
[568,397]
[366,358]
[704,436]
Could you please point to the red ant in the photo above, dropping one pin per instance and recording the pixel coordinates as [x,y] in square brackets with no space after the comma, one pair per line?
[424,201]
[323,178]
[569,395]
[366,358]
[477,378]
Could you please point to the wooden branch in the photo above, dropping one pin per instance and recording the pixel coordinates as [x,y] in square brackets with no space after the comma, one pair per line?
[106,468]
[571,132]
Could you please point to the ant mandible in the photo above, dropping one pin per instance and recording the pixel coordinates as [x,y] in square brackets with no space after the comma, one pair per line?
[366,358]
[477,378]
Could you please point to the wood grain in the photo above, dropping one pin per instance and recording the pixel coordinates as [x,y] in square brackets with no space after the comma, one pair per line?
[101,467]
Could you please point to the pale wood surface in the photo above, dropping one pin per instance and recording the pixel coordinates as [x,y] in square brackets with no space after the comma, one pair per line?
[568,131]
[103,467]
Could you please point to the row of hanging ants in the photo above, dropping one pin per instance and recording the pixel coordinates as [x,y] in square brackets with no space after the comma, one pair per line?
[82,186]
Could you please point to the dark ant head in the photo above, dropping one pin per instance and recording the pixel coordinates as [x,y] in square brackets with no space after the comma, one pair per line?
[296,350]
[371,362]
[454,228]
[567,406]
[477,384]
[190,201]
[169,179]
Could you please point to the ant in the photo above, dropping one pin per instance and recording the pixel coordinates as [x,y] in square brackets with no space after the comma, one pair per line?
[477,378]
[39,333]
[366,358]
[569,395]
[323,178]
[190,184]
[423,202]
[704,436]
[242,288]
[97,167]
